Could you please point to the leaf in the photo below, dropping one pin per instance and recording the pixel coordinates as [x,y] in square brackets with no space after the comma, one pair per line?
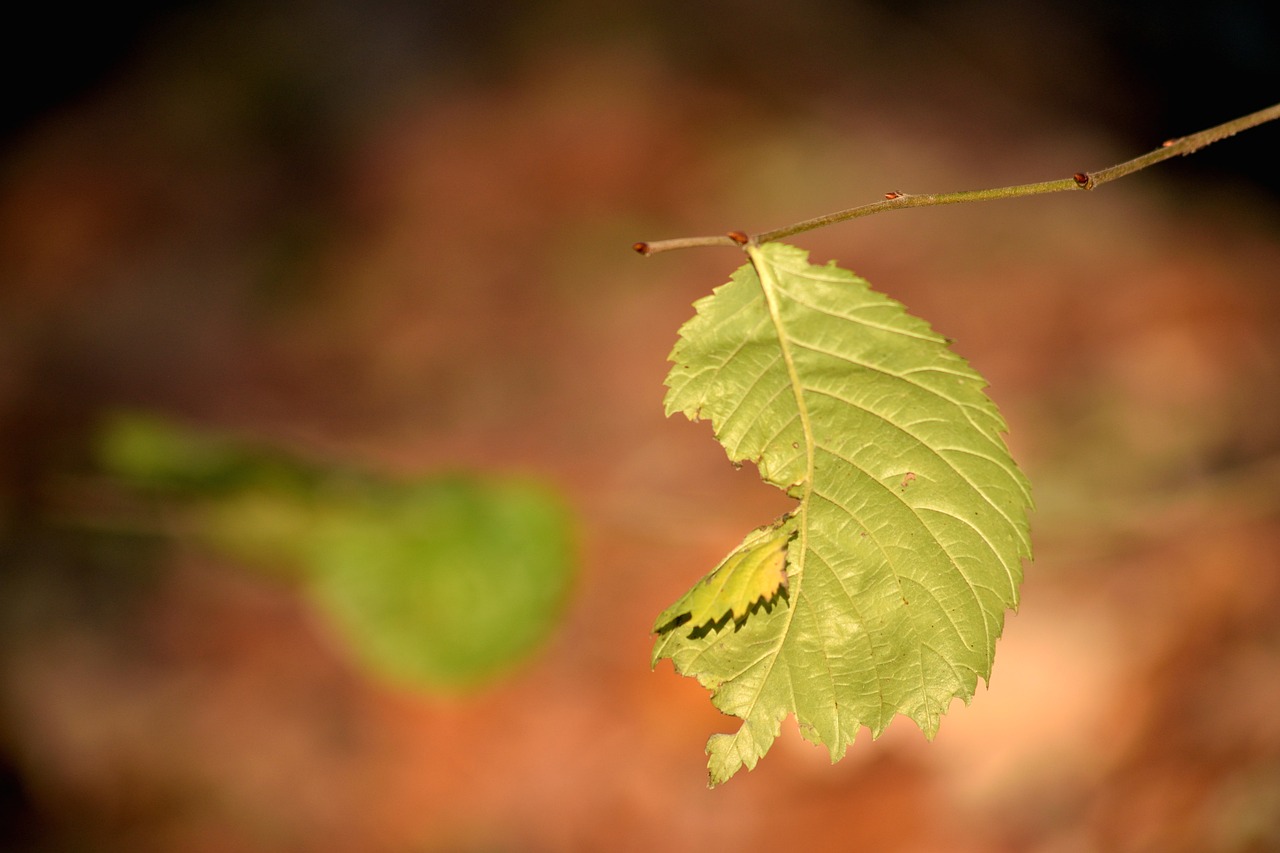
[911,525]
[446,583]
[442,583]
[752,574]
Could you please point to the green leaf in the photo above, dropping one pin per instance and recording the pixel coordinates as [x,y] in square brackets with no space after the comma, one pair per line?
[442,583]
[751,575]
[445,583]
[912,518]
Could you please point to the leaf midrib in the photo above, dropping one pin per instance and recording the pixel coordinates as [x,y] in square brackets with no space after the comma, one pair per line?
[768,285]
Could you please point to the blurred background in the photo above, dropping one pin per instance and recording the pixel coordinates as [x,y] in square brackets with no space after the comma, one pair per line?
[337,502]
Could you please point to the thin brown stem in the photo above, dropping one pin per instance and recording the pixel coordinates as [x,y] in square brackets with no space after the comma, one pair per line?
[899,201]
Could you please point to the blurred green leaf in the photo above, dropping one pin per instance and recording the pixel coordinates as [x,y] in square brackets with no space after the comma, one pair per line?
[442,583]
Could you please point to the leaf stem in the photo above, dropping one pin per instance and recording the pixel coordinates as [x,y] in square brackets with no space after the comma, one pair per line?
[897,201]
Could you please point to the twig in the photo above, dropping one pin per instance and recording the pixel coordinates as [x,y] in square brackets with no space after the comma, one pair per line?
[898,201]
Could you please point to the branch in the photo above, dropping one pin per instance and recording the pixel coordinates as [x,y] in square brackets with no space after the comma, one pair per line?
[898,201]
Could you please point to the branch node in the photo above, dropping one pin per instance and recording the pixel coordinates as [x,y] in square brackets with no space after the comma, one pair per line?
[1083,181]
[738,237]
[892,195]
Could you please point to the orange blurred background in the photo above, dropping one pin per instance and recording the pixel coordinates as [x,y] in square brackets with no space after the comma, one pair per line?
[398,235]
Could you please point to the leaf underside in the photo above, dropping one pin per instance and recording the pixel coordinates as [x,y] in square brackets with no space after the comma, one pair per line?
[906,547]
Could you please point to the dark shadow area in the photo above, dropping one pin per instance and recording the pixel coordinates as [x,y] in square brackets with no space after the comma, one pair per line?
[717,625]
